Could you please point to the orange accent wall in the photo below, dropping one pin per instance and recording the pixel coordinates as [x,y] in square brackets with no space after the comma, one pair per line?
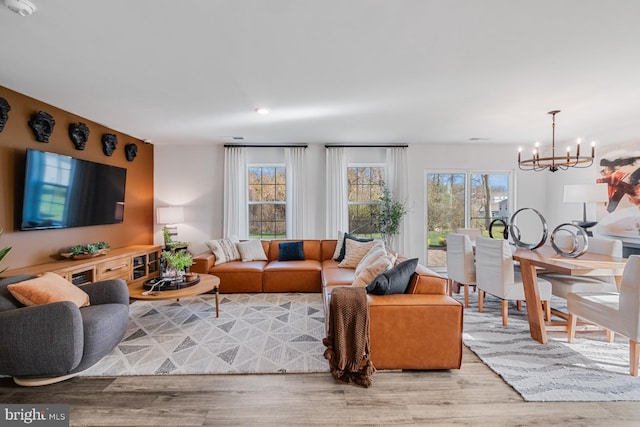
[41,246]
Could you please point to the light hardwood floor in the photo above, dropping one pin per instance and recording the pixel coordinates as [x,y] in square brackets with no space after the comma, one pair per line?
[473,395]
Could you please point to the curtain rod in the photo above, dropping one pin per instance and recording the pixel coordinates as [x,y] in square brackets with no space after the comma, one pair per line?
[267,145]
[366,146]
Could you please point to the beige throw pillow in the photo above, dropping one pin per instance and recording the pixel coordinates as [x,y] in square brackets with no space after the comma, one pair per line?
[225,250]
[48,288]
[355,251]
[340,239]
[377,261]
[251,250]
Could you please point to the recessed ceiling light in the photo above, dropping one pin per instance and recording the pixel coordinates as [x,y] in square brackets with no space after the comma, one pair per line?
[262,111]
[476,138]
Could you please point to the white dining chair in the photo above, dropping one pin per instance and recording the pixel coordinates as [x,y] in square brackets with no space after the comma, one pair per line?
[473,233]
[496,275]
[617,312]
[562,285]
[461,268]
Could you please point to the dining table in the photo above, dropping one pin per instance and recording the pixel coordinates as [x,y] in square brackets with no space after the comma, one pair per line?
[546,259]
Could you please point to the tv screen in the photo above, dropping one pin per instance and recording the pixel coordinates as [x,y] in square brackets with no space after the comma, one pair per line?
[62,191]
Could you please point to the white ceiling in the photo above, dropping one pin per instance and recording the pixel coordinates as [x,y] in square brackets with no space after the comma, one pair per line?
[347,71]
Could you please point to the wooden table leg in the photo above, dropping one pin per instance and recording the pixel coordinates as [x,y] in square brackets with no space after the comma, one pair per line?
[532,296]
[217,290]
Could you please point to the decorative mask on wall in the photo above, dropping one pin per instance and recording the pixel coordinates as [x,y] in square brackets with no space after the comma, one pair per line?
[109,142]
[42,124]
[79,134]
[131,151]
[4,112]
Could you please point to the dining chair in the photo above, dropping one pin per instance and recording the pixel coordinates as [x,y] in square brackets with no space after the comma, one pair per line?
[617,312]
[496,275]
[473,233]
[562,285]
[461,268]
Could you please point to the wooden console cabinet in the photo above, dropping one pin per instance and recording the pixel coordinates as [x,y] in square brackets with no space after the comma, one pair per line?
[134,264]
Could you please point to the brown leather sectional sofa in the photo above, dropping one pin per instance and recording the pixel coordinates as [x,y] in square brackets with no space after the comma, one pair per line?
[421,329]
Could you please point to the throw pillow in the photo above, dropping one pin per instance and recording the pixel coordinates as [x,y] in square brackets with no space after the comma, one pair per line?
[343,248]
[355,251]
[251,250]
[48,288]
[376,264]
[224,249]
[395,280]
[290,251]
[377,251]
[339,243]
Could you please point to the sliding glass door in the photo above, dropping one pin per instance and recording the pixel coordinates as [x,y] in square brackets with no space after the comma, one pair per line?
[463,200]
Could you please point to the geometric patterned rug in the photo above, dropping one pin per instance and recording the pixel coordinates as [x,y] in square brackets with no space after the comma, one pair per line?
[589,369]
[255,333]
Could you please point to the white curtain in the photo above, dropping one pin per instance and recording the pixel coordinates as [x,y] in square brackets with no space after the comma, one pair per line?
[296,195]
[397,180]
[337,212]
[236,209]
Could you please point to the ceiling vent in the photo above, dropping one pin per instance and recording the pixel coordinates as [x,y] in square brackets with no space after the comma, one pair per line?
[21,7]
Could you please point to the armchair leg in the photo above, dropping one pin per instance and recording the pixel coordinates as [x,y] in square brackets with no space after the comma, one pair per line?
[480,300]
[466,295]
[519,305]
[634,353]
[571,327]
[505,312]
[546,305]
[610,335]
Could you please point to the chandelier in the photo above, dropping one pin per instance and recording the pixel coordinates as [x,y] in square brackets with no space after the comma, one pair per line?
[554,163]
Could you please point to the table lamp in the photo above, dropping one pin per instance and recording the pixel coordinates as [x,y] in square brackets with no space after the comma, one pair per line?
[169,217]
[585,193]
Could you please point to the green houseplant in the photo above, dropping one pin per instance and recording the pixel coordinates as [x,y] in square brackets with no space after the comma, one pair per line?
[3,253]
[391,213]
[178,261]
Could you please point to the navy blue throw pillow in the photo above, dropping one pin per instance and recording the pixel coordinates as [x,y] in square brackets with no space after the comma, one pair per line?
[290,251]
[343,249]
[395,280]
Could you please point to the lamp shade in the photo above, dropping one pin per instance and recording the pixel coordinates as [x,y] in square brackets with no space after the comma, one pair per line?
[585,193]
[170,215]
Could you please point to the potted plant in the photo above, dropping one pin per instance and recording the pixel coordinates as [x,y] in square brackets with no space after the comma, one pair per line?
[89,250]
[177,262]
[391,213]
[3,253]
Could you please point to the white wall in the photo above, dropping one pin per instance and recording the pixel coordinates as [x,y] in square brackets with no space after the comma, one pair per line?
[192,176]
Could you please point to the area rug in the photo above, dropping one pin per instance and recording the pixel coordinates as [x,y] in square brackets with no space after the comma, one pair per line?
[589,369]
[255,333]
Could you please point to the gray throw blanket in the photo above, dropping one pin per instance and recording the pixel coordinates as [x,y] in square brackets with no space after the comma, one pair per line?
[348,339]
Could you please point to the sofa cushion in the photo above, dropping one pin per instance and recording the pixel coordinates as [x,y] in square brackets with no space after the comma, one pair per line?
[251,250]
[225,250]
[50,287]
[394,281]
[343,248]
[355,251]
[291,251]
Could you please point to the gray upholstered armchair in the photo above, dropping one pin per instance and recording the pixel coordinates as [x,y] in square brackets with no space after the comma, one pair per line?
[48,343]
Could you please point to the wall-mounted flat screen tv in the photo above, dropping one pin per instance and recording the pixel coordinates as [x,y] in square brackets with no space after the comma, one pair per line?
[62,191]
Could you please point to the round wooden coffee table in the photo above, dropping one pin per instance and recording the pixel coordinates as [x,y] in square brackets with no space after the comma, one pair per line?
[207,283]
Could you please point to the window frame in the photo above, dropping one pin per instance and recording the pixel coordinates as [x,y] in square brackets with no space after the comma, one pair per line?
[274,202]
[351,165]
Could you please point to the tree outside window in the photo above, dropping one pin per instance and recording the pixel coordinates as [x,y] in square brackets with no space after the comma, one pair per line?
[366,186]
[267,202]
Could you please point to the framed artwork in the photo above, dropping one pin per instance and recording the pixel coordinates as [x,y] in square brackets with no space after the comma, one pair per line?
[620,170]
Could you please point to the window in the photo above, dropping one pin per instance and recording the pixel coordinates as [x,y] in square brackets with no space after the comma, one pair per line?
[366,183]
[463,200]
[267,202]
